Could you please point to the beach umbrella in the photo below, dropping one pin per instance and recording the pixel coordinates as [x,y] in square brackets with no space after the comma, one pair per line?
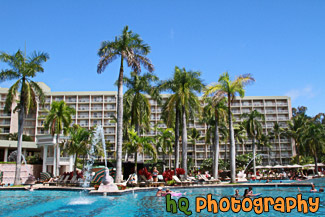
[295,166]
[45,176]
[99,175]
[260,167]
[277,166]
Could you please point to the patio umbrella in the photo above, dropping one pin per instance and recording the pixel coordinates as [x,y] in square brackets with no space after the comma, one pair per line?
[45,176]
[295,166]
[278,166]
[99,175]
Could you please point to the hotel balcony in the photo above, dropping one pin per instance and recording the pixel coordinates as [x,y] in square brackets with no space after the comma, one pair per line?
[84,100]
[63,160]
[97,100]
[83,108]
[110,100]
[83,116]
[96,108]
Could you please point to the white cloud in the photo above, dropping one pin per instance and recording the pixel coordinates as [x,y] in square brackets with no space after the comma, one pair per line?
[306,92]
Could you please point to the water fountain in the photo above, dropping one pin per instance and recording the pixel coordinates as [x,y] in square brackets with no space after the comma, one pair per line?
[107,184]
[13,157]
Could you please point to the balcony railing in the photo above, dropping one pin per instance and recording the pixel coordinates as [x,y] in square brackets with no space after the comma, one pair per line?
[96,108]
[83,108]
[49,160]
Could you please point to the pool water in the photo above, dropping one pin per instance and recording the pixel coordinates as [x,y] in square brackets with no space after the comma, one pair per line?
[73,203]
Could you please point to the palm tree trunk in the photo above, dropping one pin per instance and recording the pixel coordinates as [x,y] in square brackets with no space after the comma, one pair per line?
[164,160]
[75,164]
[268,155]
[232,144]
[194,149]
[184,142]
[119,125]
[316,166]
[177,139]
[216,149]
[136,162]
[58,153]
[254,156]
[226,145]
[169,162]
[280,149]
[21,120]
[297,151]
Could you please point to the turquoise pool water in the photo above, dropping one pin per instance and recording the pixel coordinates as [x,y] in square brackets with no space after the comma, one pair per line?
[71,203]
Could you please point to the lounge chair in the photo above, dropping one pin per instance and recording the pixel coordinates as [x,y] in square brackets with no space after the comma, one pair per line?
[180,182]
[124,183]
[205,179]
[73,181]
[133,181]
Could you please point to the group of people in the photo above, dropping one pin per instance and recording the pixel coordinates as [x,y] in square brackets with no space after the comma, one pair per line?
[247,193]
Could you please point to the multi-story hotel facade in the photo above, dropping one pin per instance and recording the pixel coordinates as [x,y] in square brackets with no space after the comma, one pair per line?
[99,108]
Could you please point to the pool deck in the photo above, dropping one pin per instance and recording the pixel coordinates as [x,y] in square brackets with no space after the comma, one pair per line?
[142,189]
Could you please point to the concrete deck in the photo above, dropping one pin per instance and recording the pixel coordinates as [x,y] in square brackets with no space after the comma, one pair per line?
[143,189]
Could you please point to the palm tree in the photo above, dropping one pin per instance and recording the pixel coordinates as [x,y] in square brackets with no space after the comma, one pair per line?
[194,136]
[164,143]
[137,144]
[57,120]
[185,96]
[218,106]
[240,135]
[23,69]
[276,133]
[128,47]
[77,143]
[313,138]
[227,88]
[296,126]
[171,112]
[254,129]
[137,108]
[264,141]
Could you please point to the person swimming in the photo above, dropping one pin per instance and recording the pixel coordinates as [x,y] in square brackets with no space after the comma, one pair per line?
[313,189]
[237,195]
[160,192]
[246,193]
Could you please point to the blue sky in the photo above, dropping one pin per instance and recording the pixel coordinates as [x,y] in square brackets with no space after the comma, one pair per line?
[280,42]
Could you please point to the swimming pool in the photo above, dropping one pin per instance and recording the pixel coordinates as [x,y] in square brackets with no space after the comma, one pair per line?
[72,203]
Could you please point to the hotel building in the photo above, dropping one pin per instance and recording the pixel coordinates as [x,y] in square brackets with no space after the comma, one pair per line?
[99,108]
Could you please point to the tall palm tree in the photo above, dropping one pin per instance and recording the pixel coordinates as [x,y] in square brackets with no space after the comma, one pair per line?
[313,138]
[57,121]
[138,144]
[22,70]
[137,107]
[189,85]
[79,138]
[128,47]
[296,127]
[276,132]
[229,89]
[171,112]
[254,129]
[219,108]
[164,143]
